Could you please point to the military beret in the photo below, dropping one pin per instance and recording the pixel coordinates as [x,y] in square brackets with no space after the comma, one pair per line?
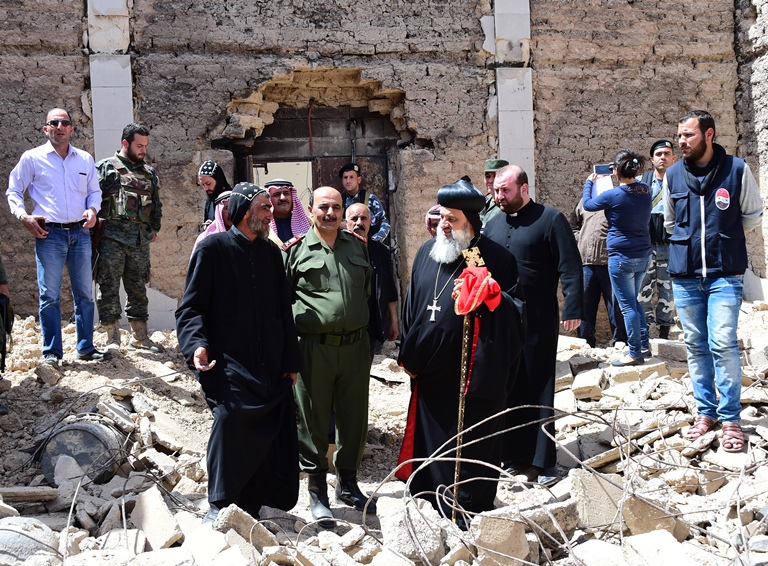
[493,165]
[660,143]
[349,167]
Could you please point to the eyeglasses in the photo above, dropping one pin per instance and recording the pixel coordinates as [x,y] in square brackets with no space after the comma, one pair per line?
[55,123]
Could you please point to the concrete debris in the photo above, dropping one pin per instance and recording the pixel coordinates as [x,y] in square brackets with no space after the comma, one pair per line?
[633,489]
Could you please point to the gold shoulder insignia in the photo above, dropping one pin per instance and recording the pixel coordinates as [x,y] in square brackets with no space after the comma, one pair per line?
[292,242]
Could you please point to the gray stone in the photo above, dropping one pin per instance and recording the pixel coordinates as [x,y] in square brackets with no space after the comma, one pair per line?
[554,518]
[758,543]
[133,540]
[669,350]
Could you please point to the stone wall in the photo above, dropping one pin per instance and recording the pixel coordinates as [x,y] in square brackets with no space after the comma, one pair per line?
[606,75]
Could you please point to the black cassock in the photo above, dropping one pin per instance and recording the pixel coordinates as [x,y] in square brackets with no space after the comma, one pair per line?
[542,241]
[432,351]
[236,304]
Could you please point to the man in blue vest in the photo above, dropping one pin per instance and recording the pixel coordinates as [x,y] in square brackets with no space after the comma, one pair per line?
[710,200]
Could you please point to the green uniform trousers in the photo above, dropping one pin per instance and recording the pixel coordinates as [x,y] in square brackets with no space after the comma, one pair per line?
[131,264]
[332,377]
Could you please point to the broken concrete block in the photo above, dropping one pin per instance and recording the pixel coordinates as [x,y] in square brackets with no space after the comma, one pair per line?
[388,558]
[118,415]
[597,500]
[565,401]
[563,376]
[143,405]
[204,543]
[352,537]
[394,514]
[629,374]
[458,553]
[498,537]
[710,481]
[598,553]
[565,514]
[230,557]
[113,557]
[164,463]
[48,375]
[166,432]
[128,539]
[656,547]
[246,548]
[67,469]
[165,557]
[190,467]
[669,350]
[66,492]
[21,537]
[232,517]
[648,369]
[645,515]
[589,384]
[70,539]
[582,363]
[7,511]
[113,520]
[152,515]
[85,520]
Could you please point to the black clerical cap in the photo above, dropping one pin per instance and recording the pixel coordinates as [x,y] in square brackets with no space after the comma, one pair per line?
[462,195]
[241,198]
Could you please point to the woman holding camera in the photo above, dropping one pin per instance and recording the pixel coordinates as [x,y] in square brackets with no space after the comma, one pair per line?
[628,211]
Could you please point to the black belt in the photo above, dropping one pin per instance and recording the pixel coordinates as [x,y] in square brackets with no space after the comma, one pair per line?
[66,225]
[337,339]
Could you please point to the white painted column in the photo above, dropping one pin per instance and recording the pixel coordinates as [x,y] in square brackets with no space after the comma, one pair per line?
[514,89]
[110,66]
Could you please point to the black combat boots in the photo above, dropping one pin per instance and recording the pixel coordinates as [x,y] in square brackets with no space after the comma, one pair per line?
[318,501]
[349,493]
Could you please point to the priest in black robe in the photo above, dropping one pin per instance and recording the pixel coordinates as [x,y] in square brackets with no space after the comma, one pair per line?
[431,352]
[542,241]
[235,328]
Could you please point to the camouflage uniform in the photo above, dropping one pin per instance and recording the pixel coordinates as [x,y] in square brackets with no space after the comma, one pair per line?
[132,209]
[656,277]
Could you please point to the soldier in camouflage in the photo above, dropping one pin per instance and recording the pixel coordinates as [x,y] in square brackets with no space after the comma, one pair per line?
[656,277]
[132,211]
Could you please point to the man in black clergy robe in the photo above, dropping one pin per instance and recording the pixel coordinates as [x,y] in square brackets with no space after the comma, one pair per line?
[542,241]
[235,328]
[431,350]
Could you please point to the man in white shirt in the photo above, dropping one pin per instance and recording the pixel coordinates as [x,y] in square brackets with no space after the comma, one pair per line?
[64,188]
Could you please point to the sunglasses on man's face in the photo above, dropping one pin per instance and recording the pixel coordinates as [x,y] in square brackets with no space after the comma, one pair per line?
[55,123]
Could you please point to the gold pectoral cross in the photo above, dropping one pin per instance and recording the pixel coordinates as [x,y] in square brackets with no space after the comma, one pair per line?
[473,258]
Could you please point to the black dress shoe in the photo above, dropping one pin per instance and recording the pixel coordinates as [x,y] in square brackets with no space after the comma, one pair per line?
[629,362]
[348,492]
[94,355]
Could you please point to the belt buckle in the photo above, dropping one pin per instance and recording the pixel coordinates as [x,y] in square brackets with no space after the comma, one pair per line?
[346,339]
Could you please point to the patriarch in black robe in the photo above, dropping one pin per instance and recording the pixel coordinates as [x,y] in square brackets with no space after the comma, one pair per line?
[235,328]
[431,352]
[542,241]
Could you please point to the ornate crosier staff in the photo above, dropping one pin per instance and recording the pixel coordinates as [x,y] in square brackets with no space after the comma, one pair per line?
[477,287]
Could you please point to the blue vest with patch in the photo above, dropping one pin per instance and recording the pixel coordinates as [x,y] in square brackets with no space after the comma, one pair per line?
[714,217]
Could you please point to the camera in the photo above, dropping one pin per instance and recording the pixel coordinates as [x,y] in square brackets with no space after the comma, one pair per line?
[603,169]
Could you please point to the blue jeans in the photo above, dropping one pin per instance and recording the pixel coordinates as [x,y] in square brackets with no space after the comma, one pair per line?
[597,285]
[627,280]
[73,248]
[708,308]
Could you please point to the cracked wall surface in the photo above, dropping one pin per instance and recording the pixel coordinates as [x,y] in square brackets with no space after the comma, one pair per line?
[605,76]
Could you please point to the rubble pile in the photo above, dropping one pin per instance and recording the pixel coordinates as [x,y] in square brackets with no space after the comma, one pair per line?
[105,464]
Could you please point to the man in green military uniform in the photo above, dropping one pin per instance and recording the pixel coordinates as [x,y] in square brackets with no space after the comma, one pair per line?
[330,275]
[132,211]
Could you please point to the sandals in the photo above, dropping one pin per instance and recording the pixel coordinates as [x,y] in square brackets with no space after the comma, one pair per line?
[703,425]
[733,437]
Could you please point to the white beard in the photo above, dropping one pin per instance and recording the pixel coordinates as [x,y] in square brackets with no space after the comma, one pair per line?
[449,250]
